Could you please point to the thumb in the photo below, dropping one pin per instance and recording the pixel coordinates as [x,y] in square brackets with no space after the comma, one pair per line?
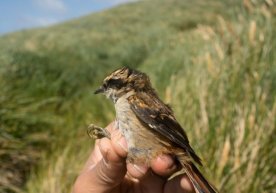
[111,170]
[105,174]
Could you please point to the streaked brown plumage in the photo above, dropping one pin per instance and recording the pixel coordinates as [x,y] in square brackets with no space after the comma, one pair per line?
[149,125]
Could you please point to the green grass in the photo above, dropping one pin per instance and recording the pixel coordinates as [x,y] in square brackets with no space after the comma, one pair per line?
[214,62]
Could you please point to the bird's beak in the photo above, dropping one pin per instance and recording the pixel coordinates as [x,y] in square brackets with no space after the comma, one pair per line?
[99,90]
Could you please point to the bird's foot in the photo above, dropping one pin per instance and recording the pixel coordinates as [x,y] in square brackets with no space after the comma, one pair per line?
[96,132]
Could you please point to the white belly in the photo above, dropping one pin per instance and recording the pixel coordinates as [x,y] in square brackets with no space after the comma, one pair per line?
[127,120]
[142,143]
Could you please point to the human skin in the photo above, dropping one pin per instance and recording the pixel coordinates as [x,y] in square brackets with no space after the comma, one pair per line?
[106,171]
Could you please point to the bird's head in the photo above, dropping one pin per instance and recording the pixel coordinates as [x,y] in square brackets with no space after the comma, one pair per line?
[122,81]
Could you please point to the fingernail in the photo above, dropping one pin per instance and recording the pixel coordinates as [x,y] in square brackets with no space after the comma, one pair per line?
[167,160]
[119,139]
[116,134]
[122,143]
[140,169]
[115,124]
[92,167]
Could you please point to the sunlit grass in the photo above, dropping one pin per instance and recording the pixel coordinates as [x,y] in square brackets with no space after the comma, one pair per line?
[214,63]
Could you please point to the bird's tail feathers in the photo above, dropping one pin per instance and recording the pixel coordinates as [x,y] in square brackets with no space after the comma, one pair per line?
[201,185]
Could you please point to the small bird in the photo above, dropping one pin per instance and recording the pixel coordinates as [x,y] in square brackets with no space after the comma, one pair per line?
[148,124]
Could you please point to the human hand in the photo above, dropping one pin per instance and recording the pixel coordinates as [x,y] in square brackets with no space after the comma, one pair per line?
[106,171]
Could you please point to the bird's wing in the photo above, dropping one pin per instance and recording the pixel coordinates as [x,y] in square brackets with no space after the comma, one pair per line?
[159,117]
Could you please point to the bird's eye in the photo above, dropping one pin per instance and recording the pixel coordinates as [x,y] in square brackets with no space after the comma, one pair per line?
[105,85]
[116,83]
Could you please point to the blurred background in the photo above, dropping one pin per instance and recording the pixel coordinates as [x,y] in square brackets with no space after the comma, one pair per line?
[213,61]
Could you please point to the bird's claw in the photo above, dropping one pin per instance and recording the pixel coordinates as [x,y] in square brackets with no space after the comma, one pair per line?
[96,132]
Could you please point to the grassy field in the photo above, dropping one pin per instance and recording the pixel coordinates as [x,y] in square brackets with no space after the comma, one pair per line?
[213,61]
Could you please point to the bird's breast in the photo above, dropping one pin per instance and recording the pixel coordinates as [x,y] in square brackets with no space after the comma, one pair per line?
[143,143]
[128,123]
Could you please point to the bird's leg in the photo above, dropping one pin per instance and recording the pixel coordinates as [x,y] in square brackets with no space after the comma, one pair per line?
[96,132]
